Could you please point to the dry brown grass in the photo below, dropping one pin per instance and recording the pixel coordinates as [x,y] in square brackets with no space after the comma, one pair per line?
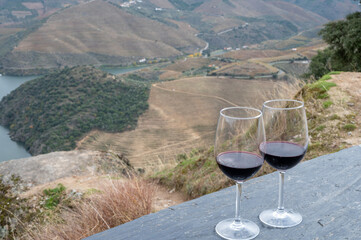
[197,173]
[327,125]
[118,203]
[170,75]
[9,31]
[246,68]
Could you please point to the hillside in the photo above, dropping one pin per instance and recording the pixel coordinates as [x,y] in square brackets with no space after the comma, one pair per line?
[52,112]
[74,36]
[182,115]
[80,178]
[123,34]
[339,9]
[333,106]
[249,11]
[15,12]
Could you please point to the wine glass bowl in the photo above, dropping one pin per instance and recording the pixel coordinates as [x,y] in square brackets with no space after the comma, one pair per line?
[285,146]
[239,133]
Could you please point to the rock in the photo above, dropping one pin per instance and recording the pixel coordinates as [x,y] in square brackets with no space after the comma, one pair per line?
[50,167]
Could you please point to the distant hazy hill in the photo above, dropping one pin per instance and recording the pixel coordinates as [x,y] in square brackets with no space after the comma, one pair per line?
[251,10]
[21,11]
[97,33]
[121,32]
[330,9]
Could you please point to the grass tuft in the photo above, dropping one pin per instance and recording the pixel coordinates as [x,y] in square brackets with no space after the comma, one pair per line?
[327,104]
[335,73]
[118,203]
[335,117]
[320,128]
[349,127]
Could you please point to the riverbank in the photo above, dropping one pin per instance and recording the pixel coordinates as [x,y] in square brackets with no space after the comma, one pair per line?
[10,149]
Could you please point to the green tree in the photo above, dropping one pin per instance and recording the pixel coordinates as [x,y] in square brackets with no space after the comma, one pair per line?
[344,51]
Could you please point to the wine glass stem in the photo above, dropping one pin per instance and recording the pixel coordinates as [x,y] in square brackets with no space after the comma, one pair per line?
[237,219]
[281,191]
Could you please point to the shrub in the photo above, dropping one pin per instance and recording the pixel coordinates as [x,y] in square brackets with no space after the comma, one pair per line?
[54,196]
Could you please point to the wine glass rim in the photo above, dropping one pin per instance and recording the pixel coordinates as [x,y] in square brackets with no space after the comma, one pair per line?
[284,100]
[240,118]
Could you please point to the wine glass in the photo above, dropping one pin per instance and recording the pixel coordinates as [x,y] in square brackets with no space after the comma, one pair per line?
[285,146]
[239,133]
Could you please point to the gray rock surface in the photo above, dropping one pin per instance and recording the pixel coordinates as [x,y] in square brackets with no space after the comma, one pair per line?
[325,190]
[52,166]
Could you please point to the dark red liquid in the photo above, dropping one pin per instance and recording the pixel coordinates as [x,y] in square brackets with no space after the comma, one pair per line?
[239,166]
[282,155]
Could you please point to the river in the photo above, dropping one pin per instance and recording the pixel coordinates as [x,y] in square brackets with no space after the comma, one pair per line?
[10,149]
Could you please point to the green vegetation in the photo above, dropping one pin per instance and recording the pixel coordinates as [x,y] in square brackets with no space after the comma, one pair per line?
[327,104]
[202,71]
[54,196]
[344,51]
[53,112]
[320,128]
[349,127]
[21,218]
[9,42]
[319,88]
[326,138]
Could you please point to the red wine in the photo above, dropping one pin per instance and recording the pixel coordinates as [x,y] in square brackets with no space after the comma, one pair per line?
[282,155]
[239,166]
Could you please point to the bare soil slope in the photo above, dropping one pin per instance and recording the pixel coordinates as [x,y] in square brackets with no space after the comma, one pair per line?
[182,115]
[102,28]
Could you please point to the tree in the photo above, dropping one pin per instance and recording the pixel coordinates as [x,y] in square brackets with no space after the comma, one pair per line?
[344,51]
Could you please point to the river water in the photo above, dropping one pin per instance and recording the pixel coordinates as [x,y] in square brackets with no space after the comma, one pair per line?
[8,148]
[13,150]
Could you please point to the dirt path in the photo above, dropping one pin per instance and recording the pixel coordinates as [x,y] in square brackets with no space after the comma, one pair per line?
[195,94]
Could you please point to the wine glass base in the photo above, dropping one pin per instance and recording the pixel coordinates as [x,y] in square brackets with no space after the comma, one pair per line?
[280,219]
[228,229]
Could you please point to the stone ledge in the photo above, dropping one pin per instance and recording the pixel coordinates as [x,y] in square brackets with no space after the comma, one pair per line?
[325,190]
